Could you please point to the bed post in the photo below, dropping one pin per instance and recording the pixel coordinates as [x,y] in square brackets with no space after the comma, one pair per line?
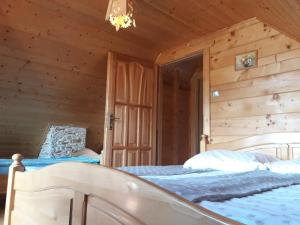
[10,195]
[204,141]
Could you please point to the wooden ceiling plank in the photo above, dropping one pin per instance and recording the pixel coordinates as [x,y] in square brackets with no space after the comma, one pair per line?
[174,17]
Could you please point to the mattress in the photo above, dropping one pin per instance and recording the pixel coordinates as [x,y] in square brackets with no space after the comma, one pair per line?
[33,164]
[277,207]
[160,170]
[273,206]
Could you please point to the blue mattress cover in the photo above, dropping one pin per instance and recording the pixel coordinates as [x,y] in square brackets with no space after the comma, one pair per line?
[39,163]
[160,170]
[277,207]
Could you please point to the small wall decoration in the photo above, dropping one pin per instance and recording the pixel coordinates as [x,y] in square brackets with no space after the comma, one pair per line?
[246,60]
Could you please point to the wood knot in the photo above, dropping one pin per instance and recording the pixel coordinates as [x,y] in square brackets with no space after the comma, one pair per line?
[204,136]
[276,96]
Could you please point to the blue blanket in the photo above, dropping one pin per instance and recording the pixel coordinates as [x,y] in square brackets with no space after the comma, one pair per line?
[277,207]
[159,170]
[38,163]
[224,187]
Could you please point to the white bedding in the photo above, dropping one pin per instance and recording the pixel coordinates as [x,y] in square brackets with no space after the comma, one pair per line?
[289,166]
[226,160]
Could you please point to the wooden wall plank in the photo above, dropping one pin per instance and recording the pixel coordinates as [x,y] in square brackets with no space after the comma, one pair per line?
[221,139]
[249,126]
[266,85]
[235,38]
[206,92]
[265,47]
[270,104]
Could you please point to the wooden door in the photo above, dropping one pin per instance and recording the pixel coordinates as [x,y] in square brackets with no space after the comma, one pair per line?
[130,124]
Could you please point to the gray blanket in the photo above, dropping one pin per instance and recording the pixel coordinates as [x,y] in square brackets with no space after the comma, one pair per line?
[225,187]
[160,170]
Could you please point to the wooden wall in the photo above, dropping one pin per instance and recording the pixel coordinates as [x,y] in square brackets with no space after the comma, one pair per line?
[53,69]
[261,100]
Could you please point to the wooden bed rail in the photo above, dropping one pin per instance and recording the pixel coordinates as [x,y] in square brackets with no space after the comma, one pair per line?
[85,194]
[281,145]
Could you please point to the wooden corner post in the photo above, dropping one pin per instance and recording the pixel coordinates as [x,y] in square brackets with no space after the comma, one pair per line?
[16,166]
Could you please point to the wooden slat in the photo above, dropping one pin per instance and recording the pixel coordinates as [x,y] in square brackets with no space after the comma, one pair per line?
[249,126]
[266,85]
[266,47]
[206,92]
[271,104]
[237,38]
[222,139]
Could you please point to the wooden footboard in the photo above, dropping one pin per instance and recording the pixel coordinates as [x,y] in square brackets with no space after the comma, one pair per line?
[84,194]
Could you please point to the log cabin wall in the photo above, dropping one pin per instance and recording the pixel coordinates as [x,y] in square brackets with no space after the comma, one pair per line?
[53,69]
[260,100]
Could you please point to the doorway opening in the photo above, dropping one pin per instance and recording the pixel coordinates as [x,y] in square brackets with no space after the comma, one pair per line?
[180,110]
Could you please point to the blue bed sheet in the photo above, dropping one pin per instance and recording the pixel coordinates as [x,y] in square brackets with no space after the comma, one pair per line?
[277,207]
[160,170]
[32,164]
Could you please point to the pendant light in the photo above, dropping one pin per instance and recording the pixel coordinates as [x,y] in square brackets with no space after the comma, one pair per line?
[120,14]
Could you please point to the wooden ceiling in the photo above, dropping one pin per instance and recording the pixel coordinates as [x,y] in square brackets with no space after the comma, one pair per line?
[180,21]
[160,24]
[163,24]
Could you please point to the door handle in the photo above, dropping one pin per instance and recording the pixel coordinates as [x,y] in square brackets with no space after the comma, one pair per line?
[112,120]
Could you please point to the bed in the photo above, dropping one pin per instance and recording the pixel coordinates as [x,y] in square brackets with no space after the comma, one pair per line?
[84,156]
[76,193]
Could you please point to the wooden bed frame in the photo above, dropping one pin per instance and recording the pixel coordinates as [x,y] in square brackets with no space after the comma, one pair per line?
[4,178]
[84,194]
[285,146]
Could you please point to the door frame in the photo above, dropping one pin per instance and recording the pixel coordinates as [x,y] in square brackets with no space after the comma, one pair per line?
[109,107]
[206,97]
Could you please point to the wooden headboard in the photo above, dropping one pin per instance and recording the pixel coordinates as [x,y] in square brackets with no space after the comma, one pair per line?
[284,146]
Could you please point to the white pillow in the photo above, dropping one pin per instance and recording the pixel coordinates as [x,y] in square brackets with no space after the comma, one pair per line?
[228,161]
[263,158]
[289,166]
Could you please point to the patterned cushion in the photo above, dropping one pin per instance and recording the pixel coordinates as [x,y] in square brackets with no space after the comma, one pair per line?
[62,141]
